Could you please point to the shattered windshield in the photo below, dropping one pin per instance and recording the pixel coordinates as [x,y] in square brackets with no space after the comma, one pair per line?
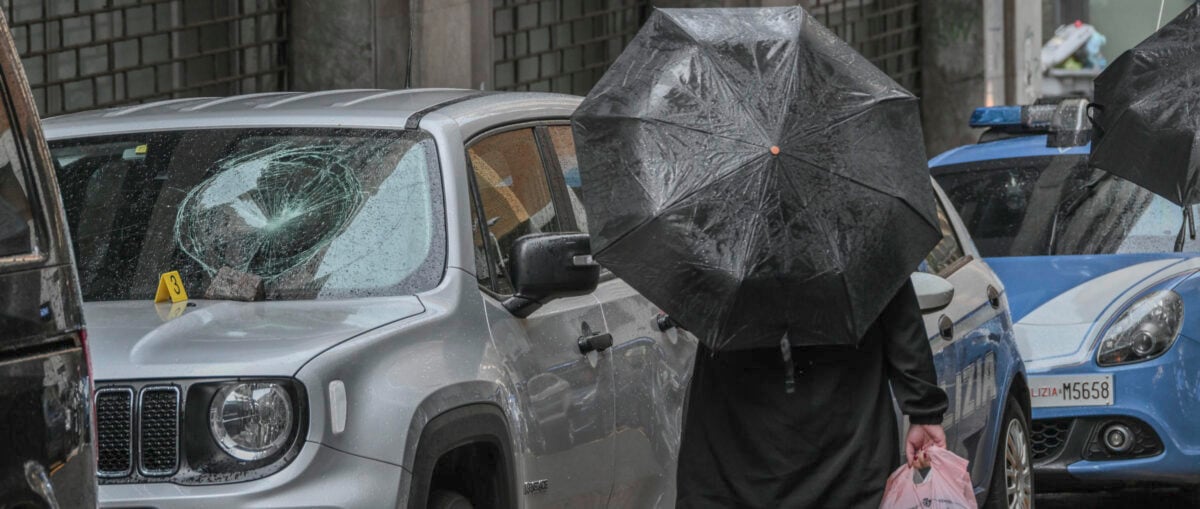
[1056,205]
[312,213]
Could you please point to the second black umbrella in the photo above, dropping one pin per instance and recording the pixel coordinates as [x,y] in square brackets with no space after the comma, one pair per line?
[1147,112]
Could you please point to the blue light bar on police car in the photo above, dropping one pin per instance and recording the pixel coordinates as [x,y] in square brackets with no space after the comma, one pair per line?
[995,116]
[1065,123]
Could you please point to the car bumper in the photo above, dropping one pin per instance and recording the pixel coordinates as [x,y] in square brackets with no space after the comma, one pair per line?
[319,477]
[1159,400]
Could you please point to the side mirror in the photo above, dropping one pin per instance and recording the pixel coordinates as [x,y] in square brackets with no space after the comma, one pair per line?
[547,266]
[933,292]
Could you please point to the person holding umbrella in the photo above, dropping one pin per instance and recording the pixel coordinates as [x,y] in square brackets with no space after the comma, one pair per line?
[766,186]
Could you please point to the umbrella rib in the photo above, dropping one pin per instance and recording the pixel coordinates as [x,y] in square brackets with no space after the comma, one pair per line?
[902,199]
[679,126]
[849,305]
[789,87]
[732,173]
[872,187]
[843,120]
[842,277]
[720,69]
[819,224]
[665,206]
[755,221]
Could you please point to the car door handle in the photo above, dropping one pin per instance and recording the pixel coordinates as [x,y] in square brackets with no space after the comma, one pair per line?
[993,296]
[663,322]
[595,343]
[946,328]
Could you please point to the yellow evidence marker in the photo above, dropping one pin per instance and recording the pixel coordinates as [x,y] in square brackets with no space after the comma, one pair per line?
[170,287]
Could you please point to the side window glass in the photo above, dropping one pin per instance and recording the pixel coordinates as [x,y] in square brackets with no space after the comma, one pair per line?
[948,251]
[514,193]
[564,152]
[17,232]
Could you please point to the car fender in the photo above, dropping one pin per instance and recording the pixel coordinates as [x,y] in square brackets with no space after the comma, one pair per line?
[389,382]
[464,425]
[1012,382]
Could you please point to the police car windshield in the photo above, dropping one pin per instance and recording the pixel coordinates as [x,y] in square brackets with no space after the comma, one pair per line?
[314,213]
[1056,205]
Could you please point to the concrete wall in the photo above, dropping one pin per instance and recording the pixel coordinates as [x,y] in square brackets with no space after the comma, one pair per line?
[953,80]
[364,43]
[975,53]
[348,44]
[453,43]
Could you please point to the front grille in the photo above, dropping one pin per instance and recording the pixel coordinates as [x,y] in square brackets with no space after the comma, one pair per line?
[144,426]
[1048,437]
[114,431]
[158,430]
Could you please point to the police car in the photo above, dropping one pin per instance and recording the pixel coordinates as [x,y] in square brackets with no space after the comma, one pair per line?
[1102,280]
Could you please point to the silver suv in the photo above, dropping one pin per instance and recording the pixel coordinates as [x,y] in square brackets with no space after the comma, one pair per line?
[391,305]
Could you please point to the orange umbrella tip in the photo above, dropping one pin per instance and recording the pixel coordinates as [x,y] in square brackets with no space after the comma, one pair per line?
[774,150]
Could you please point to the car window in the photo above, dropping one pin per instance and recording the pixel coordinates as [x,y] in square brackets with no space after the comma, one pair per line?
[564,151]
[17,233]
[1058,205]
[313,213]
[514,193]
[994,206]
[948,251]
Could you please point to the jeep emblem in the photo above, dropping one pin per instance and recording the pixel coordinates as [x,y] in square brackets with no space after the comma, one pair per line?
[538,486]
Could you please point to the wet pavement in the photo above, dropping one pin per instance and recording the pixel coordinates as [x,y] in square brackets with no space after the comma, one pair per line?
[1147,499]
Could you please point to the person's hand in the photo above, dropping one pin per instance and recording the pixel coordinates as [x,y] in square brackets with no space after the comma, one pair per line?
[921,436]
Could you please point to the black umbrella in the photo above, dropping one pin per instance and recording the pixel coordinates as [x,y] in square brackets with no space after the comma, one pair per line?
[1147,112]
[754,176]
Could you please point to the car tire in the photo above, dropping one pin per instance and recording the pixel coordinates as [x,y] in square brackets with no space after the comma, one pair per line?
[1012,476]
[443,499]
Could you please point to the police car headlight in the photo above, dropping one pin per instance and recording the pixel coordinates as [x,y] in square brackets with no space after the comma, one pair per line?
[251,420]
[1143,331]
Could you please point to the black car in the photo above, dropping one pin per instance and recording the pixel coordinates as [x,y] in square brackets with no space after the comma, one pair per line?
[47,452]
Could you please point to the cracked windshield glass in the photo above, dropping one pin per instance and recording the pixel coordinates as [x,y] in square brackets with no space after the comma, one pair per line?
[312,214]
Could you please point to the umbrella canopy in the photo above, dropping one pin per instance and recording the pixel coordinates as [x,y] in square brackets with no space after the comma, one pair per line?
[754,176]
[1147,112]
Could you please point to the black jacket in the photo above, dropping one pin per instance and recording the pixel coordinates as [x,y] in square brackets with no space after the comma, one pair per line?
[831,443]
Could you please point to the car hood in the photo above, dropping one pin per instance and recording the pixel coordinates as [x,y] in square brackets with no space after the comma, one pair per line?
[1057,302]
[204,338]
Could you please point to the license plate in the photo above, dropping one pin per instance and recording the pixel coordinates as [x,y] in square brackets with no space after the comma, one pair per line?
[1071,390]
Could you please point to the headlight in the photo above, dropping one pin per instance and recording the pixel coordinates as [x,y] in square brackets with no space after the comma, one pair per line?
[251,420]
[1144,331]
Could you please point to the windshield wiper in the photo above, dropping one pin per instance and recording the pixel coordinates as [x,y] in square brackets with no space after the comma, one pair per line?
[1189,225]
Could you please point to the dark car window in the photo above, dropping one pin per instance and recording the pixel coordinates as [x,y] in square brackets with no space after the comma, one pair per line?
[514,193]
[17,233]
[315,213]
[1058,205]
[946,254]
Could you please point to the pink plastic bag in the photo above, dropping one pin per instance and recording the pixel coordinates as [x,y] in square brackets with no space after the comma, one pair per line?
[946,486]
